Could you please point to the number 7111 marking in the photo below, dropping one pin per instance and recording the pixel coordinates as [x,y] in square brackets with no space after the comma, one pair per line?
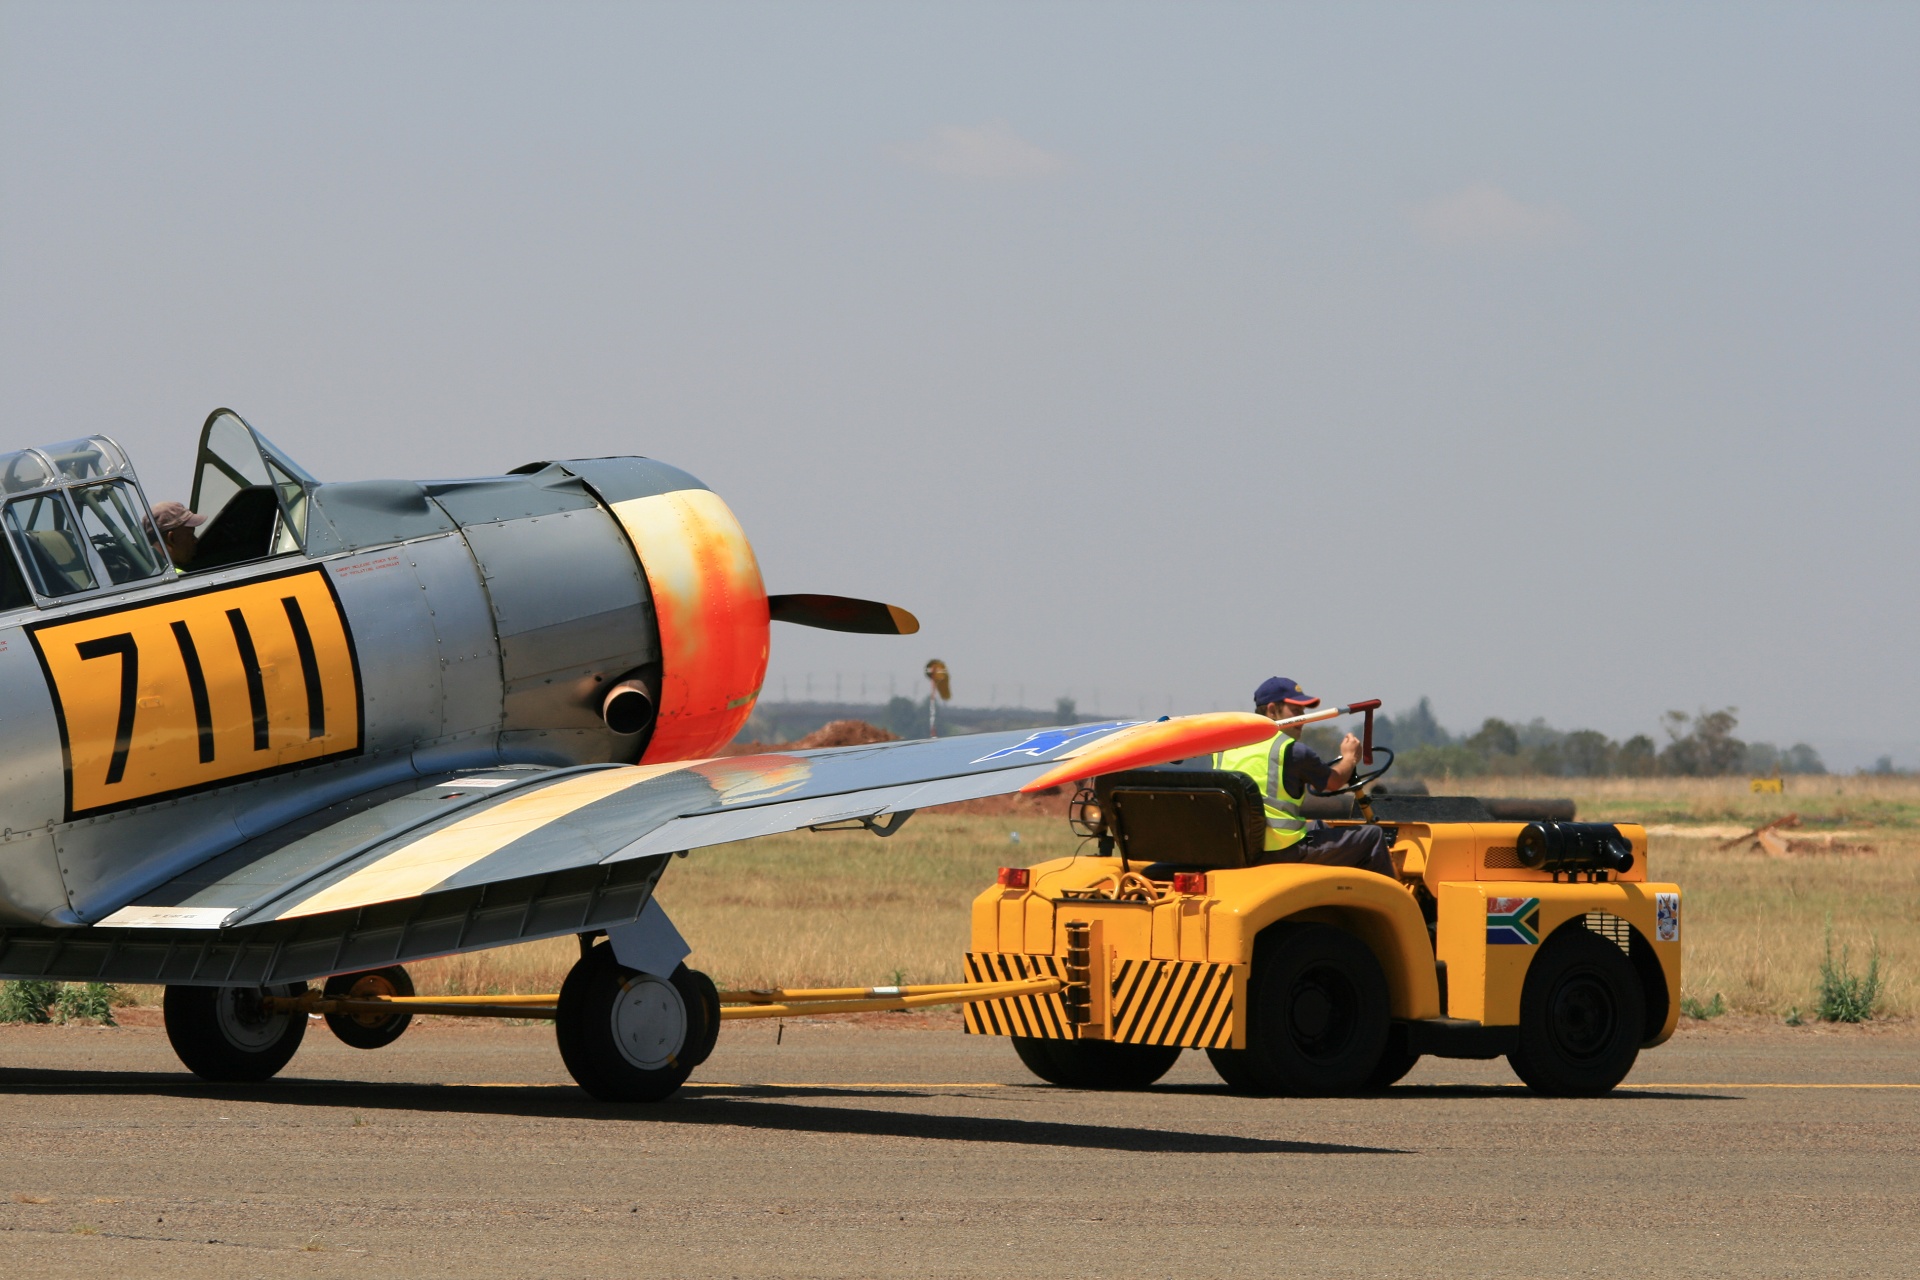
[212,687]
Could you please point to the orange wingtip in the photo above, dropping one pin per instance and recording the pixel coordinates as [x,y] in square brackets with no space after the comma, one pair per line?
[1157,743]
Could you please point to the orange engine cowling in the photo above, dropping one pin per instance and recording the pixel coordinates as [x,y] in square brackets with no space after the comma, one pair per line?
[710,607]
[711,610]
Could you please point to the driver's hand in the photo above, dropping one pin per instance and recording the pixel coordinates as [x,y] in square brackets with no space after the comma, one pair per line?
[1349,750]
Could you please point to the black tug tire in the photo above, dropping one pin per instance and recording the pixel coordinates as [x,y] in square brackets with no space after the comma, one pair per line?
[1582,1016]
[1395,1060]
[709,999]
[1235,1066]
[628,1036]
[1318,1016]
[369,1030]
[1095,1064]
[221,1034]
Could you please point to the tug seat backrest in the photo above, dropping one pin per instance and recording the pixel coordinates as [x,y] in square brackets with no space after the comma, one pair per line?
[1203,818]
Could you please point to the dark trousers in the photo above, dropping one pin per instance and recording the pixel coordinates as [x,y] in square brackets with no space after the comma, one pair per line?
[1363,846]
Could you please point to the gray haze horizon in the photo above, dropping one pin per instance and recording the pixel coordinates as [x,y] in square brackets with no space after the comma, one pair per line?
[1546,361]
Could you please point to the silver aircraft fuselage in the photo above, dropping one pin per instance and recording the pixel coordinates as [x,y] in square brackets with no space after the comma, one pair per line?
[333,639]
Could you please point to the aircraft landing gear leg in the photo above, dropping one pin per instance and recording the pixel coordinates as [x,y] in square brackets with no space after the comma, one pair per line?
[628,1036]
[223,1035]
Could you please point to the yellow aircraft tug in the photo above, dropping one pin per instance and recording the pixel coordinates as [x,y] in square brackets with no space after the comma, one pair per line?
[1506,930]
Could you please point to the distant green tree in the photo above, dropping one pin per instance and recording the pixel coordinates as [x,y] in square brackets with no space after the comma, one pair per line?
[1412,728]
[1588,753]
[1495,738]
[1064,712]
[1636,757]
[1707,748]
[1453,760]
[1801,758]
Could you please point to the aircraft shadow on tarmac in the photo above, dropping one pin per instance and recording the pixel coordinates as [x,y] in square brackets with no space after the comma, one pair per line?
[737,1112]
[746,1107]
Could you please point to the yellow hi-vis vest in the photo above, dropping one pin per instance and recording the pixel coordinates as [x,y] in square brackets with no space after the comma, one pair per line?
[1266,764]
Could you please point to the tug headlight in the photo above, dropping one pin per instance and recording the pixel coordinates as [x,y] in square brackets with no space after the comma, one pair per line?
[1574,846]
[1085,814]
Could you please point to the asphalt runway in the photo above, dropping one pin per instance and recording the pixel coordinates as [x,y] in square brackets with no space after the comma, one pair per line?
[845,1150]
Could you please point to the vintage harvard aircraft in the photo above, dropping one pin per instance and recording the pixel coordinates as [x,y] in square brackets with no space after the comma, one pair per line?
[366,723]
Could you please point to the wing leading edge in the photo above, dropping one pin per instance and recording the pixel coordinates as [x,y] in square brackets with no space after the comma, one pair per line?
[501,825]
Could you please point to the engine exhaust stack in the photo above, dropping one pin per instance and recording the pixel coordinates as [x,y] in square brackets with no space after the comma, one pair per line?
[628,707]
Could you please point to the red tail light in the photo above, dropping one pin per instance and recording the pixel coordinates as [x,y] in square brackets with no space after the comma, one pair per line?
[1189,882]
[1015,877]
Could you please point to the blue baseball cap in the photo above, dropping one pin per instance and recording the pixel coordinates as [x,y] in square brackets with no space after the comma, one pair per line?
[1282,690]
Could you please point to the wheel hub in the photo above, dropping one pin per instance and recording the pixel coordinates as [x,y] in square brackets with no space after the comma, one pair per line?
[649,1021]
[1582,1016]
[1322,1012]
[244,1023]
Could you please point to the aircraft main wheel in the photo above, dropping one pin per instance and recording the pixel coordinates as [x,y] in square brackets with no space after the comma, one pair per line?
[222,1033]
[628,1036]
[1318,1019]
[369,1030]
[1582,1016]
[1095,1064]
[1395,1060]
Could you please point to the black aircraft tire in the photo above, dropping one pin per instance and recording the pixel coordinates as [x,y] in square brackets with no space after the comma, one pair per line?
[369,1031]
[1395,1060]
[1095,1064]
[1581,1016]
[628,1036]
[220,1033]
[1318,1019]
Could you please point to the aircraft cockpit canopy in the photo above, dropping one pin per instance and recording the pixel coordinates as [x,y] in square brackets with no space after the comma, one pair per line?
[77,522]
[256,495]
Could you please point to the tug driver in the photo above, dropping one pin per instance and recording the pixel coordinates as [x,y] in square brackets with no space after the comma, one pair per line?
[1284,768]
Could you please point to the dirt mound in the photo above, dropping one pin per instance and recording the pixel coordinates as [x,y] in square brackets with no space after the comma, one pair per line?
[835,733]
[843,733]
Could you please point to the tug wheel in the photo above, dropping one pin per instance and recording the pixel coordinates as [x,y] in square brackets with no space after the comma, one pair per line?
[1581,1014]
[222,1034]
[1395,1060]
[628,1036]
[1318,1016]
[1095,1064]
[369,1030]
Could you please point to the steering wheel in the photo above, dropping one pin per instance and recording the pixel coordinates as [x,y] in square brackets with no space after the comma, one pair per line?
[1359,779]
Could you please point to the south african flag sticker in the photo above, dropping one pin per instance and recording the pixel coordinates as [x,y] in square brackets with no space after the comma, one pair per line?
[1513,921]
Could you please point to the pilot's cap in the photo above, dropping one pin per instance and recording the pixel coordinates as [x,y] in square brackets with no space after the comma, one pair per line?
[174,515]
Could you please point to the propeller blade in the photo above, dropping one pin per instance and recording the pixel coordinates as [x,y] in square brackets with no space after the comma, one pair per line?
[843,613]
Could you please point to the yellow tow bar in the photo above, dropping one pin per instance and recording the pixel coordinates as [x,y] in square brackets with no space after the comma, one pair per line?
[769,1002]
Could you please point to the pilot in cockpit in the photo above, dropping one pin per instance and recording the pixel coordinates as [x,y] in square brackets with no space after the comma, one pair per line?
[177,525]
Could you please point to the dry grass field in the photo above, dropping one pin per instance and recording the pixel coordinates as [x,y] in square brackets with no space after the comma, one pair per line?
[836,908]
[845,907]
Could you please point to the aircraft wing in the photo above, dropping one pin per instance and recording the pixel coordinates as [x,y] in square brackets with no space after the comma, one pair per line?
[474,831]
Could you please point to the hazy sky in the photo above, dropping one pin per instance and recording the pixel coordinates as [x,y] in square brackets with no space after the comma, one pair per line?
[1548,360]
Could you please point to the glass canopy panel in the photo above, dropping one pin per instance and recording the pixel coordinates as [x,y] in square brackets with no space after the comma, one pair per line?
[49,544]
[229,462]
[24,470]
[116,523]
[94,458]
